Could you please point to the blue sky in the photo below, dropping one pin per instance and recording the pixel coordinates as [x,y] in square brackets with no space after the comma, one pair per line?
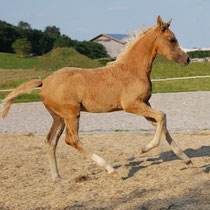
[85,19]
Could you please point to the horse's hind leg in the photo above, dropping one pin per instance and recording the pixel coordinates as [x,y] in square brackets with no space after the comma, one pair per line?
[52,141]
[171,142]
[72,126]
[176,148]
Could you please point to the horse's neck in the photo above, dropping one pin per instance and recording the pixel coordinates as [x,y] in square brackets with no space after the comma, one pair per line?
[142,54]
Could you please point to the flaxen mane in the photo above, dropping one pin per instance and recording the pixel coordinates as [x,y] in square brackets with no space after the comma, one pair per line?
[133,39]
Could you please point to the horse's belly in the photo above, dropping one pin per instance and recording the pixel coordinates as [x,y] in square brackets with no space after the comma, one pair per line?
[100,106]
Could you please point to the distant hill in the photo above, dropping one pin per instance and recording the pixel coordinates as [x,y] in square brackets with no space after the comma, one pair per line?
[43,42]
[65,57]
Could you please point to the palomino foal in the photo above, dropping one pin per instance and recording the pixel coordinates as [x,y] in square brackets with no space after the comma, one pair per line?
[122,85]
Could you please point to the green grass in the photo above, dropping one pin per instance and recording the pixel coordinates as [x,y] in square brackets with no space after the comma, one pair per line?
[32,97]
[188,85]
[120,130]
[104,61]
[12,84]
[164,68]
[11,61]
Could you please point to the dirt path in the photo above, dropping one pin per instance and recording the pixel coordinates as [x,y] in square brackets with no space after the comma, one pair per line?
[156,180]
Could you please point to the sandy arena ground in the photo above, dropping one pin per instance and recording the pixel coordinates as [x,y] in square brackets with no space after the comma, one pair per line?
[155,180]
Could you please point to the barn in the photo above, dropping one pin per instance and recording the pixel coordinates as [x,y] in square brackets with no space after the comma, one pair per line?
[112,43]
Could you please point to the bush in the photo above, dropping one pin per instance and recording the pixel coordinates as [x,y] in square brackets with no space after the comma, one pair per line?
[199,54]
[104,61]
[63,41]
[22,47]
[91,49]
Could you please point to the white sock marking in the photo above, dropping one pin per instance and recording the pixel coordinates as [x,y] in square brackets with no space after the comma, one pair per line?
[101,162]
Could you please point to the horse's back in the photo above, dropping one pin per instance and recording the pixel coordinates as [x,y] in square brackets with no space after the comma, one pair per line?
[95,90]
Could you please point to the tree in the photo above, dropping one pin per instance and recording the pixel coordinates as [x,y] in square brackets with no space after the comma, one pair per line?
[63,41]
[41,42]
[22,47]
[8,34]
[46,43]
[52,30]
[24,25]
[91,49]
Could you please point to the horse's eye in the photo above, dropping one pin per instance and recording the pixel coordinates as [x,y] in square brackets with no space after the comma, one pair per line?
[173,40]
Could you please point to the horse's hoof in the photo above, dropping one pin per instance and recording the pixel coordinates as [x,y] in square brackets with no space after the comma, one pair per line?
[142,151]
[189,162]
[114,174]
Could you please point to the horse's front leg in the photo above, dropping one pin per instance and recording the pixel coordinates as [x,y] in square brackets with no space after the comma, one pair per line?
[140,108]
[171,142]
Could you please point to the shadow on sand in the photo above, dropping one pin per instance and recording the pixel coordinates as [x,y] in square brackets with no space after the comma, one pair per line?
[191,200]
[168,156]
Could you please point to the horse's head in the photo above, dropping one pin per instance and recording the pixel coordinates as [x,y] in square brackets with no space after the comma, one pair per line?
[167,44]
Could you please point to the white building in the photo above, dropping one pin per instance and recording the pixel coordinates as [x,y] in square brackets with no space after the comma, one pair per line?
[112,43]
[196,49]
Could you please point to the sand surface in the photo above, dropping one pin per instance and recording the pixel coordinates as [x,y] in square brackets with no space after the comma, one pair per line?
[155,180]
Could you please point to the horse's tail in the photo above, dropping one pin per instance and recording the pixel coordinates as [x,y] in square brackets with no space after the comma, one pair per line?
[24,88]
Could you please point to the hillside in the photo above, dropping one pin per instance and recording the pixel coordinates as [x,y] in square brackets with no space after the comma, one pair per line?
[63,57]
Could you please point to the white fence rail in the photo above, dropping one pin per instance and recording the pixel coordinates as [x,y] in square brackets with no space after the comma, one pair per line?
[4,79]
[179,78]
[10,90]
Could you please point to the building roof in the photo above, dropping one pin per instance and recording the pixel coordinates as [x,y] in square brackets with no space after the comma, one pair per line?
[119,37]
[116,37]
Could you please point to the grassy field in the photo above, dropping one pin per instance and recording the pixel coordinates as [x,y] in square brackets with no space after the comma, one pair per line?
[188,85]
[11,61]
[164,68]
[32,97]
[14,71]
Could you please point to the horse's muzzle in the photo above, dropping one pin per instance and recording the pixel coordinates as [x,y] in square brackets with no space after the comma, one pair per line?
[185,62]
[188,60]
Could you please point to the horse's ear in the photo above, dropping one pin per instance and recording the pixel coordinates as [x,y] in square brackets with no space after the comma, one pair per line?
[169,22]
[159,21]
